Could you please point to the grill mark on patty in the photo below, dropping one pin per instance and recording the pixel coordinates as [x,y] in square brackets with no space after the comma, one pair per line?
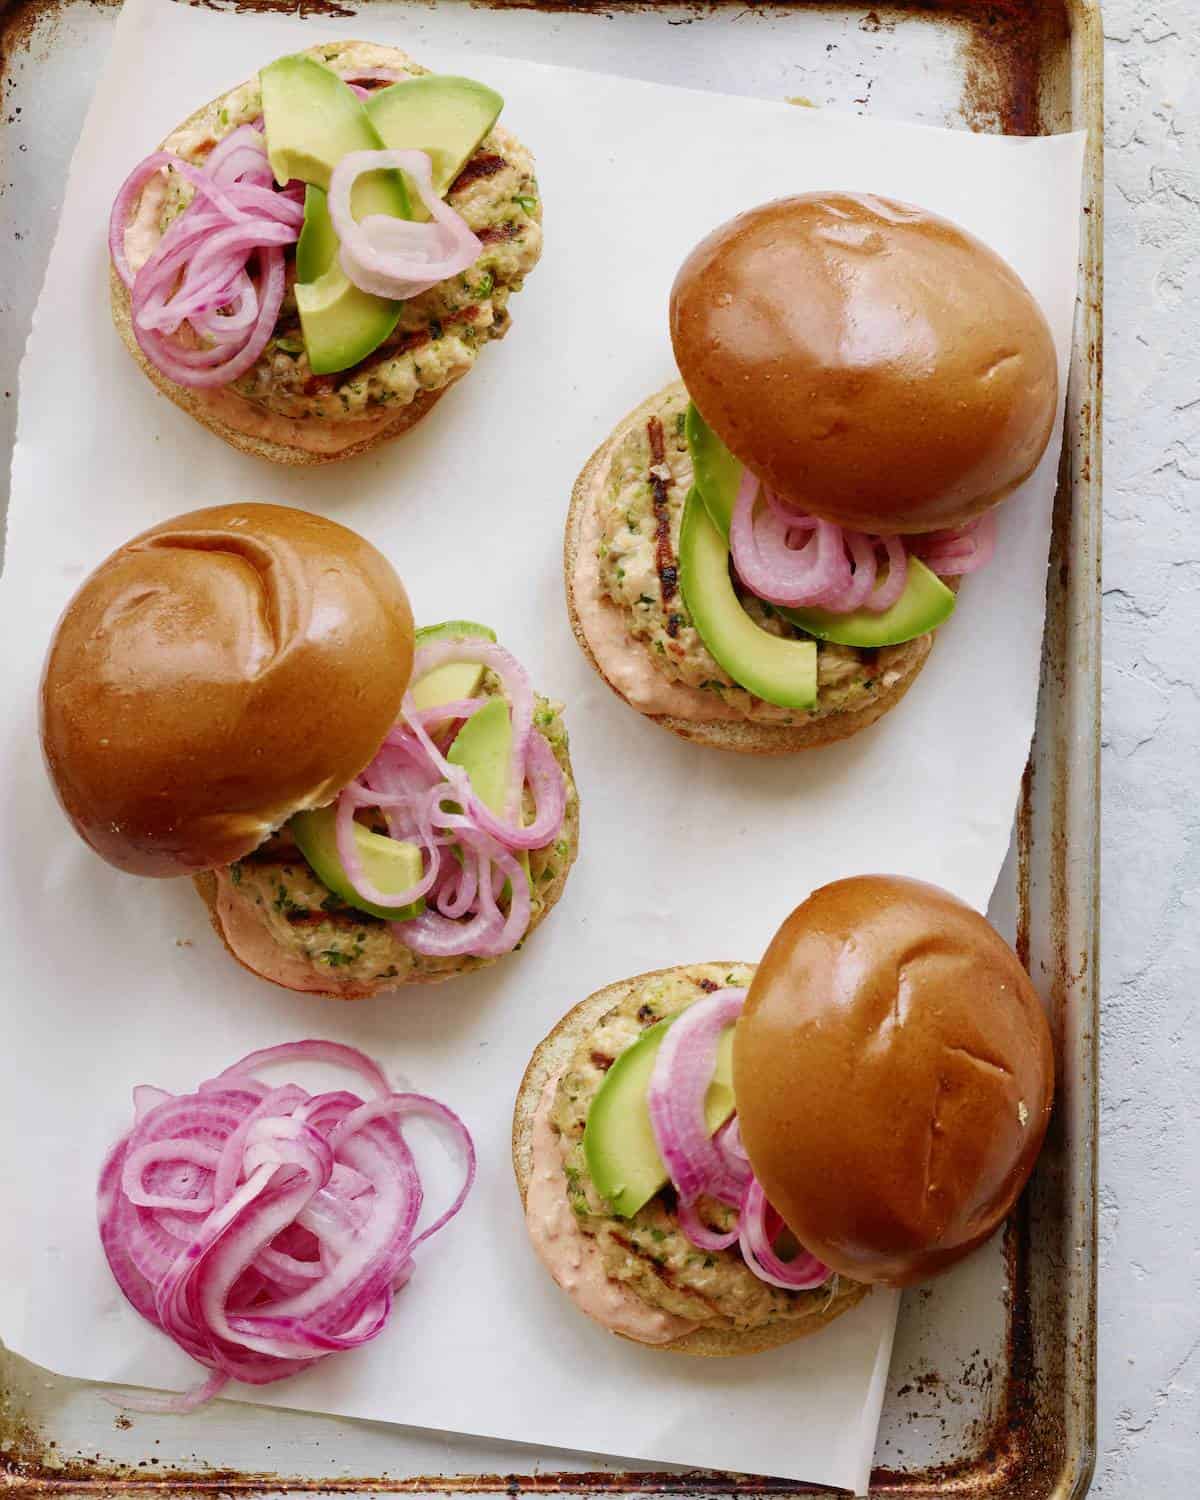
[336,916]
[403,343]
[486,164]
[496,234]
[664,1273]
[664,558]
[305,916]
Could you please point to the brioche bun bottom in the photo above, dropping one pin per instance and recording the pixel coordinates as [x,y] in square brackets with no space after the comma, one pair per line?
[274,966]
[243,425]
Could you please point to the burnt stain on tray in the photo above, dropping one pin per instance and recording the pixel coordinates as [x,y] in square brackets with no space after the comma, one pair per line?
[323,9]
[1005,45]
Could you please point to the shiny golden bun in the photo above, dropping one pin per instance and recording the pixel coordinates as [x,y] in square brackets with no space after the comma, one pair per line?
[869,361]
[894,1077]
[216,674]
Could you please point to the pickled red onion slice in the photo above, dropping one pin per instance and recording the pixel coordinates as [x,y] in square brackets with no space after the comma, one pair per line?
[716,1167]
[198,314]
[679,1085]
[476,892]
[759,1228]
[799,561]
[398,258]
[264,1228]
[966,549]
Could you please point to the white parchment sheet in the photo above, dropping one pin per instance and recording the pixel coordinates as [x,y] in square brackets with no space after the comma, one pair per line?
[107,981]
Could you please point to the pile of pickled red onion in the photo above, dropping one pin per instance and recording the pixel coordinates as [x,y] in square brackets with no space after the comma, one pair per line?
[474,883]
[198,313]
[701,1165]
[796,560]
[201,315]
[263,1228]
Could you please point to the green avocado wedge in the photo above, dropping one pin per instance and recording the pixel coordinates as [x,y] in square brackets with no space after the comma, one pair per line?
[342,324]
[437,113]
[317,246]
[776,670]
[453,630]
[442,115]
[390,864]
[455,679]
[311,119]
[925,604]
[717,474]
[618,1139]
[483,747]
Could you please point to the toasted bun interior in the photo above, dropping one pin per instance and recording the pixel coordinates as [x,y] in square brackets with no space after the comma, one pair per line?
[894,1077]
[216,674]
[871,362]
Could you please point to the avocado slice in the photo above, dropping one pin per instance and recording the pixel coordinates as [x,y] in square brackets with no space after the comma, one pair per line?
[317,247]
[925,604]
[716,473]
[483,747]
[618,1139]
[342,324]
[391,864]
[440,114]
[437,113]
[311,119]
[454,630]
[455,679]
[776,670]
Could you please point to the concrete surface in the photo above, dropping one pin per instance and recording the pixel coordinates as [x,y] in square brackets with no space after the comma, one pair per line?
[1150,1163]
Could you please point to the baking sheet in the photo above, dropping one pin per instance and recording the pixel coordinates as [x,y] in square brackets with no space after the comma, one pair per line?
[589,341]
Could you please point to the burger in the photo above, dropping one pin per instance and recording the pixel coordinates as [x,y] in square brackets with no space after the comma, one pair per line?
[238,695]
[308,263]
[717,1159]
[759,556]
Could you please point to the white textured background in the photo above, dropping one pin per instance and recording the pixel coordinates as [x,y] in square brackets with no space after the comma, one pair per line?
[1149,1443]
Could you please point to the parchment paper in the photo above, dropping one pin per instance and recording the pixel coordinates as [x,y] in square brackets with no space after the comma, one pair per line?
[687,854]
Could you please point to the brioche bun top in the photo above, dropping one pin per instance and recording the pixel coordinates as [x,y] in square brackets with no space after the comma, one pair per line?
[216,674]
[870,362]
[894,1076]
